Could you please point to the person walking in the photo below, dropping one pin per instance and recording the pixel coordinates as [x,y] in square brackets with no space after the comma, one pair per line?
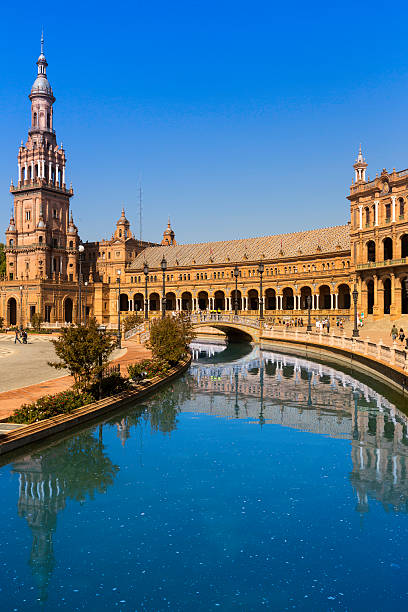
[401,335]
[328,326]
[394,332]
[17,337]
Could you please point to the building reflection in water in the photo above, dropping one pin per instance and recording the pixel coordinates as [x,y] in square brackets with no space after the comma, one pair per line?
[262,386]
[318,399]
[74,468]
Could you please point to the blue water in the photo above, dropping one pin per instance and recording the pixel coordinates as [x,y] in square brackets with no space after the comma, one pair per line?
[257,481]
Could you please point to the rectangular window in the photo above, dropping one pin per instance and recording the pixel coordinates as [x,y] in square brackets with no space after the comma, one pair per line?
[55,213]
[28,215]
[48,313]
[32,312]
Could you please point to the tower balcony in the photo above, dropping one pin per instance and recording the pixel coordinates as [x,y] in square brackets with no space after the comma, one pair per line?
[40,183]
[39,130]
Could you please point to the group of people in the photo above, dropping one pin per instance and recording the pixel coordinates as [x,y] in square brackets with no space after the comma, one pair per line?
[21,336]
[399,334]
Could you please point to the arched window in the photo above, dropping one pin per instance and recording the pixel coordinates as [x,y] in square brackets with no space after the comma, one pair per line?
[367,216]
[387,242]
[387,213]
[40,239]
[371,250]
[71,244]
[401,208]
[11,242]
[35,120]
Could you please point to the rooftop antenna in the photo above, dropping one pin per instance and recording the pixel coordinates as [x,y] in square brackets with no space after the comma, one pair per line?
[140,212]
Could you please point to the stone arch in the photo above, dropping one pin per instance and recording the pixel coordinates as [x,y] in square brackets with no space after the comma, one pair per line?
[219,300]
[171,301]
[370,246]
[404,245]
[270,299]
[154,301]
[370,296]
[387,248]
[12,311]
[305,292]
[288,300]
[344,296]
[138,302]
[253,299]
[123,302]
[387,295]
[239,299]
[68,309]
[202,299]
[324,297]
[187,300]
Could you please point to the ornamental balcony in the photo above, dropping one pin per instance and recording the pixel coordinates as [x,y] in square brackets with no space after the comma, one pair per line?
[388,263]
[38,183]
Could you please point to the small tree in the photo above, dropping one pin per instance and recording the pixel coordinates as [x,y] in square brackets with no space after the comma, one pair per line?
[132,321]
[170,337]
[84,351]
[1,322]
[36,321]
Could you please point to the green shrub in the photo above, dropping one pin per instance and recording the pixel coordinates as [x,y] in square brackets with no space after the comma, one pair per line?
[49,406]
[132,321]
[170,337]
[110,385]
[148,368]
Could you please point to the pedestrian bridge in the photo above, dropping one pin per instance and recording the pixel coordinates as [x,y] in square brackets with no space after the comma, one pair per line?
[234,326]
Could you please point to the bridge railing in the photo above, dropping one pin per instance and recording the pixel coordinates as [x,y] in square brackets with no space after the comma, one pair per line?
[215,317]
[392,354]
[139,329]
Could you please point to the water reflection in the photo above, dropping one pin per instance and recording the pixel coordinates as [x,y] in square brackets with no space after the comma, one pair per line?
[261,386]
[75,468]
[294,392]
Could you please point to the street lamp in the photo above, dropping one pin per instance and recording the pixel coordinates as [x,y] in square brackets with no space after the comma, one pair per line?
[163,265]
[309,303]
[21,307]
[146,272]
[261,269]
[81,249]
[236,274]
[355,296]
[86,298]
[119,334]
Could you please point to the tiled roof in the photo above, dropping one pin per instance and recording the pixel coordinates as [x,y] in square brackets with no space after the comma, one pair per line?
[281,246]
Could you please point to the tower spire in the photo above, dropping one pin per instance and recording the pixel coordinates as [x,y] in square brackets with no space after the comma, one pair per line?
[360,167]
[42,41]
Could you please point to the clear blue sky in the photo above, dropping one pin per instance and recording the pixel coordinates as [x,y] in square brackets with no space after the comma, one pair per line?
[240,118]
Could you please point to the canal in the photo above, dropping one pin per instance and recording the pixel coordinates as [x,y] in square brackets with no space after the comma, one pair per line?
[256,481]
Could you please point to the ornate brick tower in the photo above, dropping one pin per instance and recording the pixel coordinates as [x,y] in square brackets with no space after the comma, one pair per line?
[41,239]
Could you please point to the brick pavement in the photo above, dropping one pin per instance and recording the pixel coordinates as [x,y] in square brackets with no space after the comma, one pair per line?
[11,400]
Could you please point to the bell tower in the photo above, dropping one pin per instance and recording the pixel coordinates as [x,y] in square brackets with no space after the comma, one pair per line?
[39,241]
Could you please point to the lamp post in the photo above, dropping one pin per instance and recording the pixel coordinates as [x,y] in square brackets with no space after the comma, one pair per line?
[86,299]
[309,303]
[261,269]
[81,249]
[119,334]
[146,273]
[355,297]
[236,274]
[21,307]
[163,265]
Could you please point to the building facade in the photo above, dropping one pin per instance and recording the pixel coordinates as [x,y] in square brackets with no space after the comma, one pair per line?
[50,271]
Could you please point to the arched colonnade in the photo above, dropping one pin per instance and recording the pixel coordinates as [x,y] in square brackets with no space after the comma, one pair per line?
[287,298]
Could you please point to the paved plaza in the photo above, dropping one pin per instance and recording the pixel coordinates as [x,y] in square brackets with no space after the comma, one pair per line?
[25,374]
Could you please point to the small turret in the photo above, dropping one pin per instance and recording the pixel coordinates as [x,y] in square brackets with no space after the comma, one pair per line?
[169,238]
[360,167]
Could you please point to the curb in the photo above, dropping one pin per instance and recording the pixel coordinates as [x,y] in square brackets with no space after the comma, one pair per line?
[27,434]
